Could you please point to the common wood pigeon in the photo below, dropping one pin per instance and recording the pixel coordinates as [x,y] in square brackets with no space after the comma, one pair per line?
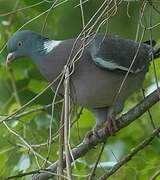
[98,73]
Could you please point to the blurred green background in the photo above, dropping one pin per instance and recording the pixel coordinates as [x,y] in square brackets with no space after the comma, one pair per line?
[62,22]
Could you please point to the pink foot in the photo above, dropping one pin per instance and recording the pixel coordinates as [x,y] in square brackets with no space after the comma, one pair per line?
[111,125]
[93,132]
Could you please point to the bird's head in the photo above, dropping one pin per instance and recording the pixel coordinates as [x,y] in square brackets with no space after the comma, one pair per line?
[24,44]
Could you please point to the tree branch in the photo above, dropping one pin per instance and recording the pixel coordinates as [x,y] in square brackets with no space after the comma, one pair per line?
[122,122]
[129,156]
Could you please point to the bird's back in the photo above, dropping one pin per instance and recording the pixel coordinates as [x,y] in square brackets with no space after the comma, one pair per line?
[91,85]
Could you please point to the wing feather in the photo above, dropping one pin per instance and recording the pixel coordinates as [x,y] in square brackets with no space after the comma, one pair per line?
[115,53]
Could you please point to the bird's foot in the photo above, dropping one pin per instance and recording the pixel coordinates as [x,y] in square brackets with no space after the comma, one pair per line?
[93,132]
[111,125]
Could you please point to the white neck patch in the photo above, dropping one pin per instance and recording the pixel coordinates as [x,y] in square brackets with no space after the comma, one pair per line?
[50,45]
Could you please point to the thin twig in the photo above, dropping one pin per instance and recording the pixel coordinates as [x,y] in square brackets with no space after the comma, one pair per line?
[157,174]
[26,144]
[34,110]
[133,152]
[9,117]
[21,9]
[31,173]
[14,87]
[47,15]
[91,177]
[149,113]
[61,145]
[52,115]
[67,122]
[31,20]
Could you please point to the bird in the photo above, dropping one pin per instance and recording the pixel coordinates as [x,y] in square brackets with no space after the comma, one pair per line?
[106,69]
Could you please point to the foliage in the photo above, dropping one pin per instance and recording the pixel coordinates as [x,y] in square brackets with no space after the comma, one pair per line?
[62,22]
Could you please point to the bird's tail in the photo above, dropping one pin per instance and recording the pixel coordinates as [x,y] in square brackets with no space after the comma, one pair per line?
[156,52]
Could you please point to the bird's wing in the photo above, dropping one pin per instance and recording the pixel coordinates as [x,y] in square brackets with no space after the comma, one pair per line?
[115,53]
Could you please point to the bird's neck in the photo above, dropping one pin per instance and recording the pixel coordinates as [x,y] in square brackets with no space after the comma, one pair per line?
[44,48]
[50,45]
[47,59]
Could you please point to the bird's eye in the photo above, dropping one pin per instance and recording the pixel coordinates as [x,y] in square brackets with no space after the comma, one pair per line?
[19,44]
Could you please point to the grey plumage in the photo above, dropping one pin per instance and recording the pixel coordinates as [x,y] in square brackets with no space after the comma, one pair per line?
[98,73]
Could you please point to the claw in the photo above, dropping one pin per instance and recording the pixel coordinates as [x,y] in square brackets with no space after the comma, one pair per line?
[111,125]
[93,132]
